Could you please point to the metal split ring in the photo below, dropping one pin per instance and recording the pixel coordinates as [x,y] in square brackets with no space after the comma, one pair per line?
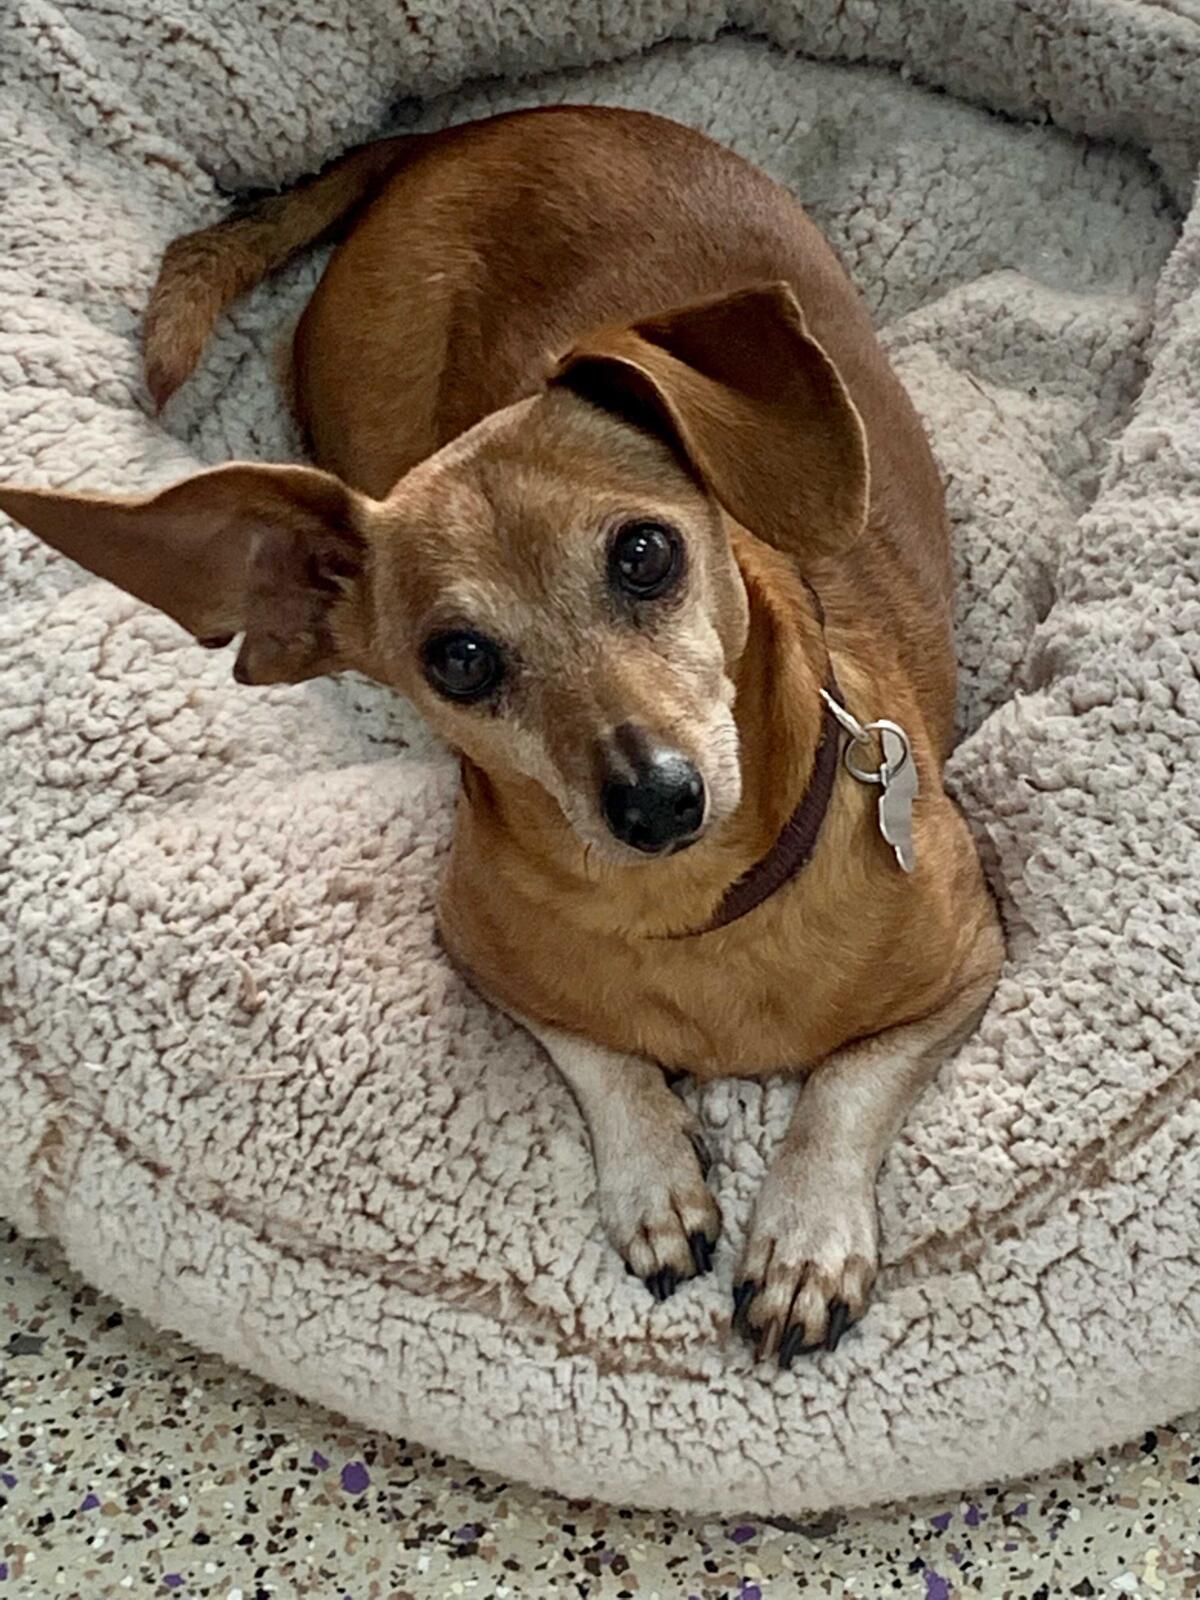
[860,733]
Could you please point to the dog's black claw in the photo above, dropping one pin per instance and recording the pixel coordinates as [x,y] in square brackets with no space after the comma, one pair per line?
[703,1153]
[839,1321]
[790,1346]
[743,1293]
[701,1247]
[662,1284]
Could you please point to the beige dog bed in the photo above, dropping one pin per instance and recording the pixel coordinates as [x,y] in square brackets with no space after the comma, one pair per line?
[239,1082]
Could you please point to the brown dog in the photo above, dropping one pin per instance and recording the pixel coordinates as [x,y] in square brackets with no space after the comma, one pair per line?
[616,483]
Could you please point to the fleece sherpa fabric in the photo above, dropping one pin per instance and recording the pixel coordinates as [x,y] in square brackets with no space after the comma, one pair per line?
[241,1084]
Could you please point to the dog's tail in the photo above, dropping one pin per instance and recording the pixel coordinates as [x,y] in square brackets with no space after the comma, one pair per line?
[202,273]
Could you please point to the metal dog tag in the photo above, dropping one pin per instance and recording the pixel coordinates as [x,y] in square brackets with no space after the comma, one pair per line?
[898,776]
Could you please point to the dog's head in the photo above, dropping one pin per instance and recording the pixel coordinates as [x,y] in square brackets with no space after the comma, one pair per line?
[555,589]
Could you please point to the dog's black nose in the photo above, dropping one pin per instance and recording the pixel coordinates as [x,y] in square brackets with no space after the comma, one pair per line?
[661,805]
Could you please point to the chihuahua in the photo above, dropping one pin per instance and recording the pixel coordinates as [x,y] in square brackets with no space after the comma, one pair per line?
[615,483]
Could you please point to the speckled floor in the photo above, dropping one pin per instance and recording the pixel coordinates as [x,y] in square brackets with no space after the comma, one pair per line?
[132,1464]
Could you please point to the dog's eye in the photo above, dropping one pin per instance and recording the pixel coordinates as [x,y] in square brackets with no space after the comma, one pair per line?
[645,559]
[462,666]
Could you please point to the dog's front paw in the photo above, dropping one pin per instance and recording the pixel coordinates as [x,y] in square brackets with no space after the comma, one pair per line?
[656,1207]
[809,1263]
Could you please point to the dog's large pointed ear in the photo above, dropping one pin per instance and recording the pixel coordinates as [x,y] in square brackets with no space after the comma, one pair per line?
[269,552]
[754,404]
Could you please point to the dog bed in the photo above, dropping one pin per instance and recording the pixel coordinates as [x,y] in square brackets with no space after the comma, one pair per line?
[240,1083]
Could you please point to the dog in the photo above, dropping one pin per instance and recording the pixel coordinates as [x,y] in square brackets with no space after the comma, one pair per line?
[614,482]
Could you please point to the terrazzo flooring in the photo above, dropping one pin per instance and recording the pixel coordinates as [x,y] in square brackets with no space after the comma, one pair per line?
[131,1464]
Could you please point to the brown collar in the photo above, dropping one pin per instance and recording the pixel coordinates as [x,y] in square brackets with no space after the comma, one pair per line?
[797,840]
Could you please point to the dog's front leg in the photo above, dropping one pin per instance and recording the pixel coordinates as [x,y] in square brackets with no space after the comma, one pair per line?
[650,1161]
[813,1248]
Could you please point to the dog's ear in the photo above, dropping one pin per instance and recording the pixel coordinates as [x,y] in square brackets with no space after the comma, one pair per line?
[270,552]
[754,404]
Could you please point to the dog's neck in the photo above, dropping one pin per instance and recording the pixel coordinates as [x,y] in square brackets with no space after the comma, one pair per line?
[779,716]
[777,707]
